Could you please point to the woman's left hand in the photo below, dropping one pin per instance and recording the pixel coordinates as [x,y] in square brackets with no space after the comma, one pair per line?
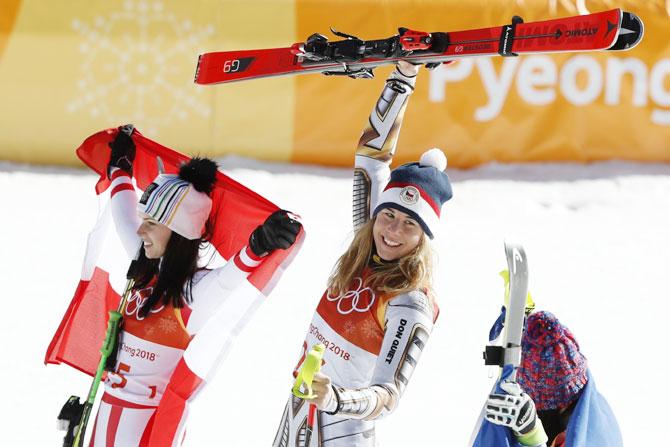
[278,231]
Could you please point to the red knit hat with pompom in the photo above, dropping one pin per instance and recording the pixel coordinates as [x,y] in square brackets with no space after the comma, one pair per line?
[553,370]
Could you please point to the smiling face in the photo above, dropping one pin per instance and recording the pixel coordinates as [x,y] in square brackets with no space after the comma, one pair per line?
[155,237]
[395,233]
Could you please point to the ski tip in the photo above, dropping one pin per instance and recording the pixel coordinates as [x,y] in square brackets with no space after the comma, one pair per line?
[511,244]
[630,32]
[516,256]
[197,69]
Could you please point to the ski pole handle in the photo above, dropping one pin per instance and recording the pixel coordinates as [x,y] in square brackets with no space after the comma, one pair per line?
[110,335]
[110,343]
[105,351]
[310,366]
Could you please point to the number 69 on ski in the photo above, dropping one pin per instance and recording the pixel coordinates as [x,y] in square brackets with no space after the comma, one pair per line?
[612,30]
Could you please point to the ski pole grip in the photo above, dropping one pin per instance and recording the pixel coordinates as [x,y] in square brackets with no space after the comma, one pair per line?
[110,335]
[310,366]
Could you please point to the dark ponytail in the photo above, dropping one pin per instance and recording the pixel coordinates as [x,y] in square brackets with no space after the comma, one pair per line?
[174,273]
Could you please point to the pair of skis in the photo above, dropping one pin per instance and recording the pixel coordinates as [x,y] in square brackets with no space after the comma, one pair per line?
[612,30]
[507,354]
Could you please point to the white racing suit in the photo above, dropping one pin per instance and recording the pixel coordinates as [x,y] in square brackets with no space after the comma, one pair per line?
[164,358]
[373,341]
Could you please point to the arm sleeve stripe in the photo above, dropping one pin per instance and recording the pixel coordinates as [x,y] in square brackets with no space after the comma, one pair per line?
[419,343]
[116,173]
[240,265]
[122,187]
[402,379]
[409,359]
[249,257]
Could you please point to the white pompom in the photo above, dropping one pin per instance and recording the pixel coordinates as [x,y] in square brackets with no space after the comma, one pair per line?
[434,157]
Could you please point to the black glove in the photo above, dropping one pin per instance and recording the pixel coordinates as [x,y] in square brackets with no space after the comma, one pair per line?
[69,418]
[123,150]
[278,231]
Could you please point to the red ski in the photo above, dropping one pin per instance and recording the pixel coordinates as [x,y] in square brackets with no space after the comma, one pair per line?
[608,30]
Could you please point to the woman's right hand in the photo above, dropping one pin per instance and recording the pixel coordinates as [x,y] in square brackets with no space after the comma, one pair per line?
[408,69]
[123,150]
[322,387]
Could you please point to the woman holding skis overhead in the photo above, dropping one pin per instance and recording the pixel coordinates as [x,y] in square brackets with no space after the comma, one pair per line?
[378,311]
[147,394]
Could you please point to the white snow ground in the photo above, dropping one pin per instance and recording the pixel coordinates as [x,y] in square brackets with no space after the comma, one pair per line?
[597,238]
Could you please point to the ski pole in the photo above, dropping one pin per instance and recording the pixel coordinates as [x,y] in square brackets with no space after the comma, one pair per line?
[310,366]
[310,424]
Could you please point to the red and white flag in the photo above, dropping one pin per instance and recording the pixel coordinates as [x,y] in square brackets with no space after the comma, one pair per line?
[236,212]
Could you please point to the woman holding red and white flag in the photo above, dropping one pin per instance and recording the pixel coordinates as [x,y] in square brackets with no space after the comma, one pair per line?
[180,318]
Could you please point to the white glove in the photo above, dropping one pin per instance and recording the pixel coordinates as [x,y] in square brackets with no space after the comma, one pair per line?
[515,410]
[325,399]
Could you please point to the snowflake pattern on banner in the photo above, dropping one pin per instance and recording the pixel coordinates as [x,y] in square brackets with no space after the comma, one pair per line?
[167,325]
[133,62]
[369,329]
[348,329]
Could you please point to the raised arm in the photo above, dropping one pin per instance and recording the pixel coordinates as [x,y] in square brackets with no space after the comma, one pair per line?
[123,195]
[377,143]
[213,290]
[220,311]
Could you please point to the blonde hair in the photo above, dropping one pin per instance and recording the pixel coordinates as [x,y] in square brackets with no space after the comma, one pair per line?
[411,272]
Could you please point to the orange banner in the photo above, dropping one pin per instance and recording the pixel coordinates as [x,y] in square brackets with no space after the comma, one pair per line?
[86,65]
[73,68]
[567,107]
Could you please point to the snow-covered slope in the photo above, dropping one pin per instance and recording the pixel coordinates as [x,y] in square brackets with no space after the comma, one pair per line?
[597,238]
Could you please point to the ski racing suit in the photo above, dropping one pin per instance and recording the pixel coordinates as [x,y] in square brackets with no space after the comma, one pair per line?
[145,402]
[373,340]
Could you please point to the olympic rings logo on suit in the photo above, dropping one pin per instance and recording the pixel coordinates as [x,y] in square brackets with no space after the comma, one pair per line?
[350,301]
[136,300]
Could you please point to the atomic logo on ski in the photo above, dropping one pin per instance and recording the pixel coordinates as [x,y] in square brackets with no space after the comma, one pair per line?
[582,32]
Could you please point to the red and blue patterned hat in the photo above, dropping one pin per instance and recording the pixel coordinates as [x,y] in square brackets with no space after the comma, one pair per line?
[553,370]
[419,190]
